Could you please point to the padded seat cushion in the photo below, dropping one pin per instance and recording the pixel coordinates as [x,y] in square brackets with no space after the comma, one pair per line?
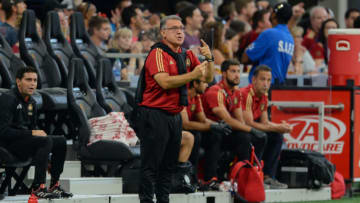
[54,98]
[38,98]
[107,150]
[9,160]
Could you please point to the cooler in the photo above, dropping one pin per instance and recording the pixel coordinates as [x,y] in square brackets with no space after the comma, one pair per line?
[344,56]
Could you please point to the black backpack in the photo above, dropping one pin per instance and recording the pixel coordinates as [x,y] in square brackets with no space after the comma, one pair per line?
[319,169]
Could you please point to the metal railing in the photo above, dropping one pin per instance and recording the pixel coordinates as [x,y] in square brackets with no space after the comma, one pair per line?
[310,104]
[125,55]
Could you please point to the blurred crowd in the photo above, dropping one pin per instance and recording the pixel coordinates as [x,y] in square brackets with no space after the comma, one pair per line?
[133,28]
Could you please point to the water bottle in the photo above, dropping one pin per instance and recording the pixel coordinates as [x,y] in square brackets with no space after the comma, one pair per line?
[117,70]
[225,186]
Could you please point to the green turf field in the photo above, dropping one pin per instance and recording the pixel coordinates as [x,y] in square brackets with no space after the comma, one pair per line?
[344,200]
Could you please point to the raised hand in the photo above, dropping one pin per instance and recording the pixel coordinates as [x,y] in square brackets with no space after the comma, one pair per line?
[205,50]
[298,10]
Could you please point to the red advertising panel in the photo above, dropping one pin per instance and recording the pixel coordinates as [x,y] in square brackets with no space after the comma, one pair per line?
[305,123]
[356,135]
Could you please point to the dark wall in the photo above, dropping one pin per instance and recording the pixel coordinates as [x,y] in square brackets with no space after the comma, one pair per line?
[353,4]
[104,6]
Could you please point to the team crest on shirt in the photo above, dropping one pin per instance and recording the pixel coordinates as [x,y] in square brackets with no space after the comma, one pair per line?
[236,101]
[171,62]
[262,106]
[193,106]
[30,110]
[188,62]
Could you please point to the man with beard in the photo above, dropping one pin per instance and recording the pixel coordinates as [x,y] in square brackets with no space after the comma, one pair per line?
[222,102]
[194,120]
[161,96]
[254,105]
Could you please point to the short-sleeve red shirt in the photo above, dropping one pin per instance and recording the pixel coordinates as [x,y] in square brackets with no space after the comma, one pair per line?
[249,101]
[309,39]
[317,51]
[194,107]
[218,95]
[154,96]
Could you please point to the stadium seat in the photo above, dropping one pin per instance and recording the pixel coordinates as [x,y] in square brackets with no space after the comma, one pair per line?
[83,106]
[57,45]
[11,163]
[34,53]
[83,46]
[9,65]
[108,94]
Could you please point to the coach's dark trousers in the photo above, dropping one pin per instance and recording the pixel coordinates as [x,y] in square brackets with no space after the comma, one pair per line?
[160,138]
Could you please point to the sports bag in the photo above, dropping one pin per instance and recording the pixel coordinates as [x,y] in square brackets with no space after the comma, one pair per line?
[247,179]
[318,169]
[338,187]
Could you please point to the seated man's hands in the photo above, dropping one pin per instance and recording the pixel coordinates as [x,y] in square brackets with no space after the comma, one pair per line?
[284,127]
[220,128]
[39,133]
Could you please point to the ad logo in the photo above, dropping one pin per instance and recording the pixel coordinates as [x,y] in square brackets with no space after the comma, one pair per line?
[342,45]
[305,134]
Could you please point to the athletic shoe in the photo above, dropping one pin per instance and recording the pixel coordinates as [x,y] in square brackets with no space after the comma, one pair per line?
[56,189]
[274,184]
[212,184]
[42,193]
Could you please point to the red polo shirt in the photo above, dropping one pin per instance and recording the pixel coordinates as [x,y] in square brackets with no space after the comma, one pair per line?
[218,95]
[154,96]
[309,39]
[247,39]
[317,51]
[251,102]
[194,107]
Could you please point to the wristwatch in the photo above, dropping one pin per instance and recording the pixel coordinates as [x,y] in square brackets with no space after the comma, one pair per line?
[210,59]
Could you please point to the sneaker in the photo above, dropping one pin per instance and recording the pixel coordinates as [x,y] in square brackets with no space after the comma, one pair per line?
[266,186]
[274,184]
[42,193]
[212,184]
[56,189]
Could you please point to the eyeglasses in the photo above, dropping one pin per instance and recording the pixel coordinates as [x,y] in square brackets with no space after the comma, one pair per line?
[174,29]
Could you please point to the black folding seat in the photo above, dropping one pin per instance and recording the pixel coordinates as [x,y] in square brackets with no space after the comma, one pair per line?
[34,53]
[10,162]
[57,45]
[108,94]
[83,106]
[7,160]
[9,65]
[83,47]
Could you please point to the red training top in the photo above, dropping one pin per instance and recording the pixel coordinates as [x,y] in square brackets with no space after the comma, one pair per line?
[154,96]
[251,102]
[194,107]
[218,95]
